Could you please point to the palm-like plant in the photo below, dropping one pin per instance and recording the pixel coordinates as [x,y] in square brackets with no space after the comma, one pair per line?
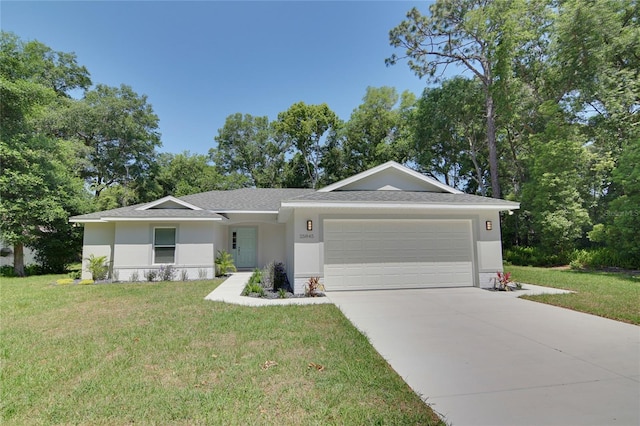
[224,263]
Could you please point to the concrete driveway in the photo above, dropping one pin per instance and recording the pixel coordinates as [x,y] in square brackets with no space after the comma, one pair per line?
[487,358]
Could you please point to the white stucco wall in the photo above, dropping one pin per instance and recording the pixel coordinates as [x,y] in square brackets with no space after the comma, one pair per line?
[98,240]
[488,248]
[309,246]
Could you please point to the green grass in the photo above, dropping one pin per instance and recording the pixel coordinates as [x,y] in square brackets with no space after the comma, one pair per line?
[157,353]
[610,295]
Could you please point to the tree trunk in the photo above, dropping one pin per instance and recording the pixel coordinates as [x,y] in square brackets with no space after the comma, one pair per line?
[18,259]
[491,142]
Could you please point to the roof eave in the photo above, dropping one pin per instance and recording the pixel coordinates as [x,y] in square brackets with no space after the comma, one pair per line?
[415,206]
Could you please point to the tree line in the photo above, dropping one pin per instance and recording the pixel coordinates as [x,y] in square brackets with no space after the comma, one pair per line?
[546,114]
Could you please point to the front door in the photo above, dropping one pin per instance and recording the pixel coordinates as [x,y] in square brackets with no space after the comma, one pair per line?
[243,247]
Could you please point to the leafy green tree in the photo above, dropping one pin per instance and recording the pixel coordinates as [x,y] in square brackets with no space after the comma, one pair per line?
[481,36]
[186,173]
[373,134]
[119,132]
[307,128]
[449,134]
[551,198]
[622,227]
[38,63]
[37,185]
[246,146]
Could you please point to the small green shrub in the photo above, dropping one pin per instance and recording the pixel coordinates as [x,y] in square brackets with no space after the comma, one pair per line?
[86,282]
[98,266]
[282,293]
[76,275]
[224,263]
[7,271]
[253,288]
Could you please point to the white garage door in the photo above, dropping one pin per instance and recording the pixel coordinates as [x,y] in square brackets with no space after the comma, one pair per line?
[384,254]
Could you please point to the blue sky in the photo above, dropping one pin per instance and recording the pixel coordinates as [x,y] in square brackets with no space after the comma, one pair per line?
[199,62]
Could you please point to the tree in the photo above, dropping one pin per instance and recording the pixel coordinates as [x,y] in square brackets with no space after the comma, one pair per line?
[119,132]
[374,132]
[38,63]
[482,36]
[246,146]
[449,130]
[551,197]
[186,173]
[622,220]
[39,188]
[307,128]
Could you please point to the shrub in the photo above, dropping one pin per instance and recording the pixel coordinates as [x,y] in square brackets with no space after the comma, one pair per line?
[275,277]
[151,275]
[282,293]
[184,275]
[313,287]
[603,257]
[65,281]
[202,274]
[533,256]
[76,275]
[86,282]
[134,277]
[7,271]
[98,266]
[253,288]
[224,263]
[166,273]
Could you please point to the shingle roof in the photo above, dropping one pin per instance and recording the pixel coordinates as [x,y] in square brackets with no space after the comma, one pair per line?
[211,203]
[245,199]
[399,197]
[269,200]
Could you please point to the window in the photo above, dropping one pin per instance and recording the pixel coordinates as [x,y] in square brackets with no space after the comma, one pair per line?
[164,245]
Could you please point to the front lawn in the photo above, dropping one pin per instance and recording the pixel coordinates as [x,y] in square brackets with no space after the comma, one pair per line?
[158,353]
[609,295]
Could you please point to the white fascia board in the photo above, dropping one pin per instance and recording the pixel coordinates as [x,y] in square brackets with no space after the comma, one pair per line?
[409,206]
[387,165]
[160,219]
[85,220]
[247,211]
[164,200]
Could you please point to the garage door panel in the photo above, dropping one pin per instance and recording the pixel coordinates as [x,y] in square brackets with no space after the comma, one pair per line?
[397,254]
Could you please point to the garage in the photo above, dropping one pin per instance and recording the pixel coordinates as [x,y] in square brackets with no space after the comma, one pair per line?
[397,253]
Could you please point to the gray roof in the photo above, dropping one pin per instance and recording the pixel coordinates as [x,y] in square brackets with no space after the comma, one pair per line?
[399,197]
[215,203]
[211,203]
[245,199]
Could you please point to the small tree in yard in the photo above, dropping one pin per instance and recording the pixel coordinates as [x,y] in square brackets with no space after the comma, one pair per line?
[224,263]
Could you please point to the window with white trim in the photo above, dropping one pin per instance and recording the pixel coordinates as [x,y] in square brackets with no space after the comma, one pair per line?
[164,245]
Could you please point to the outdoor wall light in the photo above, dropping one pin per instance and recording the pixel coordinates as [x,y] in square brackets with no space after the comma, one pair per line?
[309,225]
[488,225]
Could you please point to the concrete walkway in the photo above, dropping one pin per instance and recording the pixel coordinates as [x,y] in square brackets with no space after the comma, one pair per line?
[231,289]
[488,358]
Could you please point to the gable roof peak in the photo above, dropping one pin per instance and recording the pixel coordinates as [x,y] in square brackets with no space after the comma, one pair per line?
[168,202]
[413,180]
